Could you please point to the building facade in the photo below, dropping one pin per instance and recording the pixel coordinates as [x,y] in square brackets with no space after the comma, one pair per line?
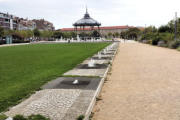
[25,24]
[102,30]
[44,25]
[10,22]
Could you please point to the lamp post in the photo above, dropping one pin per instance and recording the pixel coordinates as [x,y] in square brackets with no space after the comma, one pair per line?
[175,27]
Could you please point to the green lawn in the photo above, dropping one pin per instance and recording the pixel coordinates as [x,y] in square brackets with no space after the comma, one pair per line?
[23,69]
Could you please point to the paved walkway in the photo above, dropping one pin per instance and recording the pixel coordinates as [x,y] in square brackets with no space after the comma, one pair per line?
[144,85]
[6,45]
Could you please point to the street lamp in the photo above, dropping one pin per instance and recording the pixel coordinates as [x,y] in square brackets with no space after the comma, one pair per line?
[175,27]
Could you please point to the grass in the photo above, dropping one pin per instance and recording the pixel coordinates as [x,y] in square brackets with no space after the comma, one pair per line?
[24,69]
[3,117]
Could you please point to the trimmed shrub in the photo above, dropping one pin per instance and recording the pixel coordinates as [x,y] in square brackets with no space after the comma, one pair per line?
[37,117]
[20,41]
[148,36]
[174,44]
[3,117]
[162,44]
[31,117]
[19,117]
[178,48]
[156,39]
[144,41]
[81,117]
[2,42]
[149,42]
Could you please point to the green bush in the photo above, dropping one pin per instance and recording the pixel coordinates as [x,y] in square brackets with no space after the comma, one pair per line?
[174,44]
[20,41]
[178,48]
[2,42]
[19,117]
[156,39]
[37,117]
[3,117]
[81,117]
[148,36]
[165,28]
[149,42]
[162,44]
[32,117]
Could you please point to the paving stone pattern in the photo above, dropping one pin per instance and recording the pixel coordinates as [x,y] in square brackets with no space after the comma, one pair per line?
[52,103]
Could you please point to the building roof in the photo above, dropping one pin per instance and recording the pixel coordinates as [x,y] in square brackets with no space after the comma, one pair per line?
[96,28]
[87,21]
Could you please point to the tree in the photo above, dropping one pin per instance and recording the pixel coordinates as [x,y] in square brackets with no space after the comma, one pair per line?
[123,34]
[1,32]
[150,29]
[82,34]
[171,25]
[95,33]
[8,32]
[116,34]
[67,35]
[73,34]
[29,33]
[110,34]
[36,33]
[85,34]
[132,33]
[46,34]
[57,34]
[18,35]
[165,28]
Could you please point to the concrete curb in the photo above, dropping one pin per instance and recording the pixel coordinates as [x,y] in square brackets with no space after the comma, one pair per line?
[93,101]
[8,45]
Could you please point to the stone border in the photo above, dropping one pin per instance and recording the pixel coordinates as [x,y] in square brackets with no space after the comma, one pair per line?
[7,45]
[93,101]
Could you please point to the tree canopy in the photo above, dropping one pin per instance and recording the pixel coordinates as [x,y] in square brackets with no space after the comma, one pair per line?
[36,33]
[1,32]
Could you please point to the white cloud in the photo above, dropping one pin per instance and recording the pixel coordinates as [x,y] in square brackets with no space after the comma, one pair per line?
[115,12]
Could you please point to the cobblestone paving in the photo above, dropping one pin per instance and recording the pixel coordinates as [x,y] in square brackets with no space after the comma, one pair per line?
[80,106]
[52,103]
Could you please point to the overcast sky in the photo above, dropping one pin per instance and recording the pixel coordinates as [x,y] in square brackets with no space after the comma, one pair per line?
[63,13]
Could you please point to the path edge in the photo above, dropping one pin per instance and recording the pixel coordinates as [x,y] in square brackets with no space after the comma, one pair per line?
[93,101]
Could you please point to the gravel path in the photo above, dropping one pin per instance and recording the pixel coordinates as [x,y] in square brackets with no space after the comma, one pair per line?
[144,85]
